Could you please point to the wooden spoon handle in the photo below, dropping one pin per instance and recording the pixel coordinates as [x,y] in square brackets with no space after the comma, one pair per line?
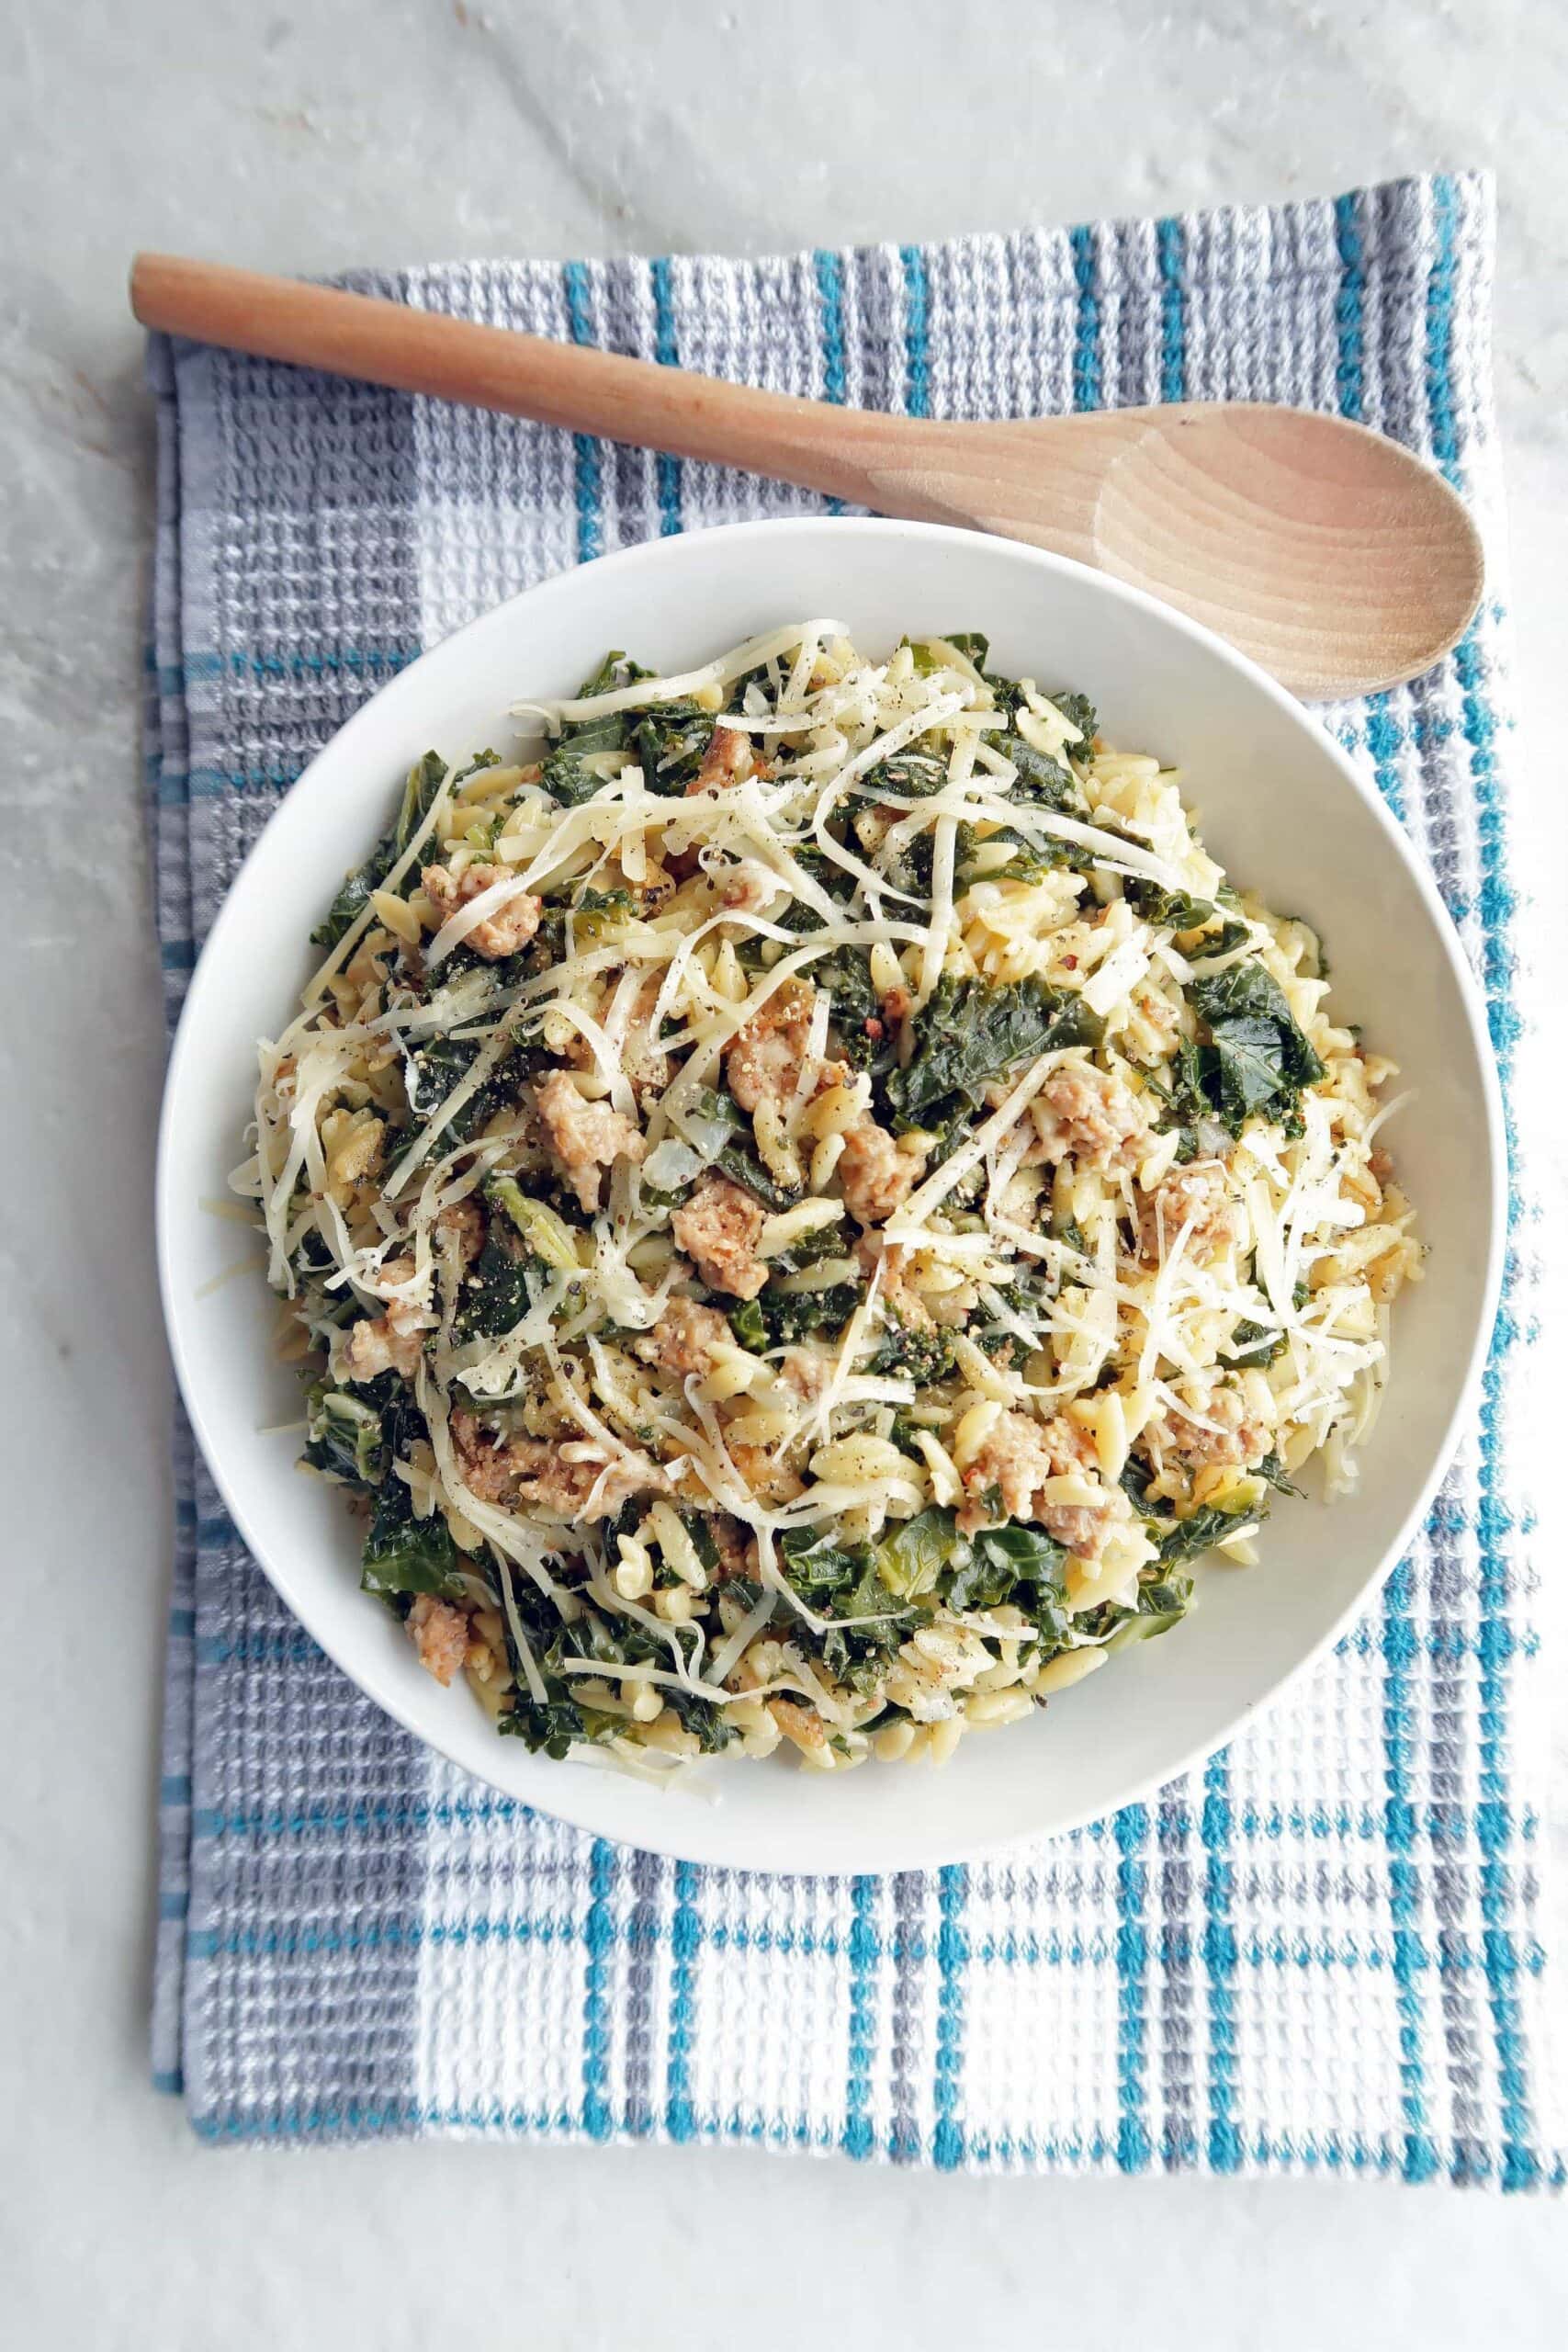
[830,450]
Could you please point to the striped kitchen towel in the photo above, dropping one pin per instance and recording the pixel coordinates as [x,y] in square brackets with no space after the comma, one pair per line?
[1320,1953]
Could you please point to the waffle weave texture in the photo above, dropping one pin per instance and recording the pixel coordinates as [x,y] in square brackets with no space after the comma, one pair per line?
[1321,1952]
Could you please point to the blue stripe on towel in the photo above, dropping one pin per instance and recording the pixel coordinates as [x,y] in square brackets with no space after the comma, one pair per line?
[587,462]
[666,470]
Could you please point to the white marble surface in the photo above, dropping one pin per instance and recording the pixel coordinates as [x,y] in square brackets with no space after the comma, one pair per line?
[300,137]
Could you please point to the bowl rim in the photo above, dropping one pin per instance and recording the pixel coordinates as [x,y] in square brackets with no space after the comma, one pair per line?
[905,1849]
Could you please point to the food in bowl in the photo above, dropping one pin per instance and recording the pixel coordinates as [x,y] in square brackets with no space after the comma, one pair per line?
[806,1202]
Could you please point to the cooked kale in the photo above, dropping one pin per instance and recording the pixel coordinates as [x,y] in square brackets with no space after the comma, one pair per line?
[434,1069]
[1027,861]
[908,775]
[1044,782]
[565,776]
[1189,1538]
[405,1555]
[420,788]
[1253,1343]
[1273,1470]
[1017,1563]
[906,1353]
[845,974]
[343,1431]
[775,1318]
[819,1569]
[739,1159]
[1079,712]
[1163,1601]
[970,1033]
[495,1292]
[669,741]
[1253,1057]
[913,1554]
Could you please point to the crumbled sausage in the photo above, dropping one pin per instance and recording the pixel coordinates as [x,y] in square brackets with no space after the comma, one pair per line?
[391,1342]
[509,924]
[736,1548]
[1087,1115]
[718,1230]
[374,1346]
[1231,1439]
[462,1224]
[1019,1456]
[803,1724]
[727,759]
[769,1477]
[585,1136]
[684,1339]
[510,1471]
[764,1062]
[875,1175]
[1196,1199]
[440,1635]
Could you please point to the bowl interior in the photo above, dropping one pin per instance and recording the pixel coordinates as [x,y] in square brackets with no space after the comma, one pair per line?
[1283,810]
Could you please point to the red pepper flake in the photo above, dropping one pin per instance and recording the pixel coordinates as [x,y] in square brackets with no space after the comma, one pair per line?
[1071,962]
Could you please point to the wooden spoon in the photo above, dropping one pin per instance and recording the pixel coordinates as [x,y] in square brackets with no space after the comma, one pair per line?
[1333,556]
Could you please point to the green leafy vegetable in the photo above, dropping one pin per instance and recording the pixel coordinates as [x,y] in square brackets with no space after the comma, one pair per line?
[1041,780]
[1253,1343]
[908,1353]
[1079,712]
[495,1293]
[344,1431]
[739,1158]
[775,1318]
[1189,1538]
[564,775]
[1255,1058]
[405,1555]
[970,1033]
[1163,1601]
[420,788]
[433,1070]
[669,741]
[548,1236]
[908,775]
[912,1555]
[845,974]
[1022,1565]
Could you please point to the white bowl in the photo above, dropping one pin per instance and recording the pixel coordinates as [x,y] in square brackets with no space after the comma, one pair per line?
[1282,809]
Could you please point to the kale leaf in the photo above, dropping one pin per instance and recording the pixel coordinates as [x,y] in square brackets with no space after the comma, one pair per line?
[911,1355]
[906,775]
[775,1318]
[1255,1057]
[495,1293]
[405,1555]
[845,974]
[669,741]
[564,775]
[1258,1343]
[739,1158]
[420,788]
[970,1033]
[434,1069]
[1041,780]
[1022,1565]
[343,1431]
[1079,712]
